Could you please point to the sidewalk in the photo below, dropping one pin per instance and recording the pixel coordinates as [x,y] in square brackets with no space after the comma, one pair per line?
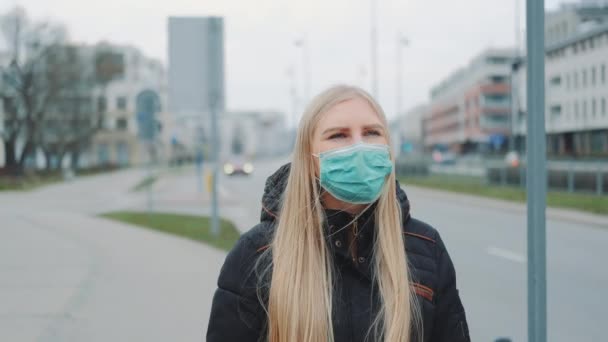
[67,275]
[557,214]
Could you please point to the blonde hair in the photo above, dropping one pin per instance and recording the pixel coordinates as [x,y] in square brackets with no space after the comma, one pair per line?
[300,295]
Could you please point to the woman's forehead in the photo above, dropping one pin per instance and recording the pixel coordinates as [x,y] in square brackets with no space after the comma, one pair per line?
[351,112]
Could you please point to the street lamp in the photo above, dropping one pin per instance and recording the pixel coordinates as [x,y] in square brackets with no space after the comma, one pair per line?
[401,43]
[293,95]
[303,44]
[374,49]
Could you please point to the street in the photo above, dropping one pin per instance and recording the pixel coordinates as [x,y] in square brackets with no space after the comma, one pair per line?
[66,275]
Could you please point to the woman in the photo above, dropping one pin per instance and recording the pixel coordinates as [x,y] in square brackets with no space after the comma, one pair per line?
[337,256]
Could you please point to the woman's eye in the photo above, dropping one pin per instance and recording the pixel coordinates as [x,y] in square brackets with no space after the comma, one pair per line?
[373,133]
[337,136]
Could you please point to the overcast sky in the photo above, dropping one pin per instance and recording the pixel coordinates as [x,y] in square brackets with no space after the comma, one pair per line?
[260,35]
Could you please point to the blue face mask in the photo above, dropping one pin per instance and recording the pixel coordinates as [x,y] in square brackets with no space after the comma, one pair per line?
[356,173]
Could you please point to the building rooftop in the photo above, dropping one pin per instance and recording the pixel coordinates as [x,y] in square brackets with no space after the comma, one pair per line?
[592,31]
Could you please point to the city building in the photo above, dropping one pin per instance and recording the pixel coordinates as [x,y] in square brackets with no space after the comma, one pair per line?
[407,131]
[470,110]
[196,76]
[576,87]
[121,141]
[254,134]
[574,18]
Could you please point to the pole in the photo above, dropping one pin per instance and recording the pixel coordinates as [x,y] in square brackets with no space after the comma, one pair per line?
[215,225]
[293,95]
[306,65]
[537,176]
[401,42]
[514,103]
[398,77]
[303,44]
[514,81]
[216,101]
[374,50]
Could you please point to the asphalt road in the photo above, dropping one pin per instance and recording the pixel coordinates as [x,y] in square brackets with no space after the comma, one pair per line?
[487,242]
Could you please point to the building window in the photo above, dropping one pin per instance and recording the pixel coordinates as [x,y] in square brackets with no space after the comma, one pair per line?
[597,142]
[102,104]
[584,108]
[121,103]
[593,107]
[556,80]
[568,81]
[575,79]
[593,76]
[576,109]
[584,78]
[556,112]
[603,105]
[603,74]
[122,124]
[498,79]
[497,60]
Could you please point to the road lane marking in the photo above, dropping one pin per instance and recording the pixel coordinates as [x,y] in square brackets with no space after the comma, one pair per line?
[506,254]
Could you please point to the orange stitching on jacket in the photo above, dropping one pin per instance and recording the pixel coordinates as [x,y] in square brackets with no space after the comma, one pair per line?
[263,248]
[421,237]
[269,212]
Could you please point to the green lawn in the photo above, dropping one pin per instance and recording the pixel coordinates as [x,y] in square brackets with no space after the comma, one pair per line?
[192,227]
[475,186]
[29,182]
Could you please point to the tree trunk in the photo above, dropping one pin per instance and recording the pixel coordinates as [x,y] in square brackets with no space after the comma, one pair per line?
[75,159]
[60,156]
[10,158]
[47,159]
[25,152]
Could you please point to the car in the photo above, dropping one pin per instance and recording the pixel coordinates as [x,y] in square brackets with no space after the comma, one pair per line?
[444,157]
[238,166]
[512,159]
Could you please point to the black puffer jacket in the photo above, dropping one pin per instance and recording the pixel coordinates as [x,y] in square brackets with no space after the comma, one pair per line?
[236,314]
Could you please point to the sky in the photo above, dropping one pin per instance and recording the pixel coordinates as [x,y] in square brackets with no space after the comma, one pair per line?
[260,39]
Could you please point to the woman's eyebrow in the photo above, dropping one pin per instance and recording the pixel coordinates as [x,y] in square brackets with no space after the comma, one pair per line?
[376,126]
[332,129]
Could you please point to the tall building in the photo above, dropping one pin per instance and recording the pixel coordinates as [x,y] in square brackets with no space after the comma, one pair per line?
[572,19]
[576,114]
[252,134]
[470,110]
[196,74]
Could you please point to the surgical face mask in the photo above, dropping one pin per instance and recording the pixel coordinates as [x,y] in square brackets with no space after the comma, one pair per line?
[356,173]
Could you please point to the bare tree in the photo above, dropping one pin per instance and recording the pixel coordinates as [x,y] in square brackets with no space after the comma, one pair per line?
[71,118]
[28,88]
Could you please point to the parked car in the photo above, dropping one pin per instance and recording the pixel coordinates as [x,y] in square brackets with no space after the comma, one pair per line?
[512,159]
[444,157]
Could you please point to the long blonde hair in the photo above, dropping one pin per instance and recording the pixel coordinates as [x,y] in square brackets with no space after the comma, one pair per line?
[300,294]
